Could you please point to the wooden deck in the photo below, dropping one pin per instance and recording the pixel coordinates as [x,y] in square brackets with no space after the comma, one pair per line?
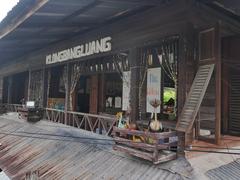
[227,142]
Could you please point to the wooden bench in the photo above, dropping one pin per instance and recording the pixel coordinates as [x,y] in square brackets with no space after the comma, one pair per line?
[162,147]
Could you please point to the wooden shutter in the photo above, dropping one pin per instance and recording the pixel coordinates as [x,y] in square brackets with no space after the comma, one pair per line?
[195,98]
[234,102]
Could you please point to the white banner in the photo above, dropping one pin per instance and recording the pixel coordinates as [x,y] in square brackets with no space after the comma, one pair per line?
[153,88]
[126,90]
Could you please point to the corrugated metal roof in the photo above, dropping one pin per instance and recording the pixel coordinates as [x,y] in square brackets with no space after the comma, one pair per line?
[229,171]
[54,20]
[57,151]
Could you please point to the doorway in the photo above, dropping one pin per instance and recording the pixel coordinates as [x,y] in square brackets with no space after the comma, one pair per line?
[19,88]
[83,94]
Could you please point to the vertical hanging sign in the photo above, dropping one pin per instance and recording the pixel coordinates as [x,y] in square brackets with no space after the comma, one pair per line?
[126,90]
[153,88]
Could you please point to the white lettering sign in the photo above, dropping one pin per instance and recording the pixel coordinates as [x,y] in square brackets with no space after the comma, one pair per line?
[153,88]
[94,47]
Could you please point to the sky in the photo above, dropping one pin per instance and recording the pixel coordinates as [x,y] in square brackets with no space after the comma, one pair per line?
[6,6]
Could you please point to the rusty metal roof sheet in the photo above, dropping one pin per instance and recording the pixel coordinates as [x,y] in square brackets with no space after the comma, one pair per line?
[229,171]
[57,151]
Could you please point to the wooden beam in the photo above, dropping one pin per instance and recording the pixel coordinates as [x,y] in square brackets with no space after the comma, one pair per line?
[217,52]
[20,19]
[57,25]
[136,2]
[82,10]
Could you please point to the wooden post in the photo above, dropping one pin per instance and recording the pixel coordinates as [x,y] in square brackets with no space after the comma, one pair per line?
[225,103]
[181,91]
[102,93]
[181,144]
[186,70]
[10,82]
[218,84]
[1,90]
[67,93]
[45,87]
[94,95]
[29,84]
[134,90]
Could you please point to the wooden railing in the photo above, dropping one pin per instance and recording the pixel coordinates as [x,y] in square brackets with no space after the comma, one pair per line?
[101,124]
[91,122]
[9,107]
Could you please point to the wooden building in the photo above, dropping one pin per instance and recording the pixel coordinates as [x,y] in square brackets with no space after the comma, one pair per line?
[75,56]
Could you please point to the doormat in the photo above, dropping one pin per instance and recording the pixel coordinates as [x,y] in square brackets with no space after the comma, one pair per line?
[229,171]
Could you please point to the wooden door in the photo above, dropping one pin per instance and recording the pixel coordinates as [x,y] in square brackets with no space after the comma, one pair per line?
[93,107]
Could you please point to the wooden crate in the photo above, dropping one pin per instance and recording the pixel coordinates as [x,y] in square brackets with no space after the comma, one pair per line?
[162,147]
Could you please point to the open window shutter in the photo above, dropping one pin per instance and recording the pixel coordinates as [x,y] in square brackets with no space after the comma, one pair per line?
[207,60]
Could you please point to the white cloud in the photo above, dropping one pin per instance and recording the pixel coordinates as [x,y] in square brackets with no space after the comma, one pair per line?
[5,7]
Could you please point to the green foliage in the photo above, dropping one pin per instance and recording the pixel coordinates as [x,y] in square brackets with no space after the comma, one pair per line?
[168,94]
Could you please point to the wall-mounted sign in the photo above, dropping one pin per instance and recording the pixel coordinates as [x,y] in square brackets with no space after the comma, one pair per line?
[87,49]
[153,88]
[126,90]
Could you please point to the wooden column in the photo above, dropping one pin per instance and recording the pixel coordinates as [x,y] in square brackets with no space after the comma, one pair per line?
[186,71]
[181,144]
[134,68]
[9,93]
[225,95]
[29,84]
[181,91]
[218,84]
[1,89]
[94,95]
[45,87]
[102,93]
[67,92]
